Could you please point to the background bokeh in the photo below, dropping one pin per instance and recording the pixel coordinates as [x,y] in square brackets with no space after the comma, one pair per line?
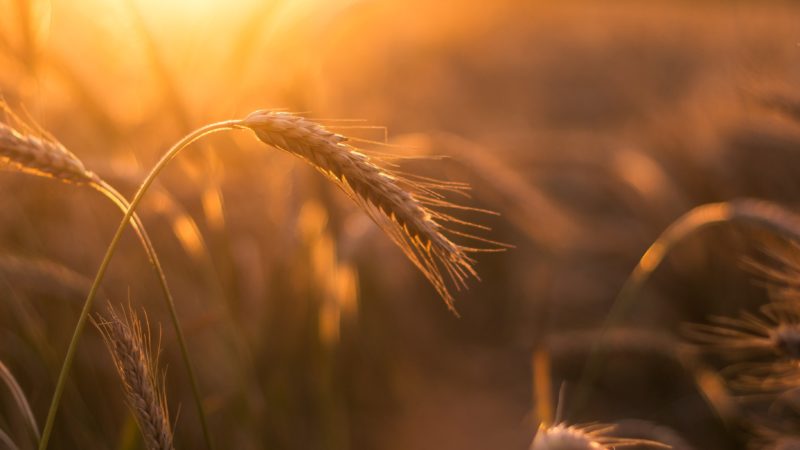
[589,126]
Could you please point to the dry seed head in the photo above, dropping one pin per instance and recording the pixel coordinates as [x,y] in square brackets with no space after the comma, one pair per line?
[410,209]
[775,330]
[780,378]
[773,337]
[778,270]
[130,347]
[590,437]
[41,155]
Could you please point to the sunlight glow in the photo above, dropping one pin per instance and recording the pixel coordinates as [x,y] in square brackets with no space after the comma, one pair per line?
[189,9]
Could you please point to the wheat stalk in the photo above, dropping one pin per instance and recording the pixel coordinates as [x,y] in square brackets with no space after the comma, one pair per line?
[36,152]
[129,216]
[410,209]
[130,346]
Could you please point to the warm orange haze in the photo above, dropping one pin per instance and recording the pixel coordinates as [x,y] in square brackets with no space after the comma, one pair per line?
[399,225]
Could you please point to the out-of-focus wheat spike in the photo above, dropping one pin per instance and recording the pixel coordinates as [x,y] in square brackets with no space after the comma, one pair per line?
[776,330]
[43,277]
[395,203]
[41,155]
[131,349]
[587,437]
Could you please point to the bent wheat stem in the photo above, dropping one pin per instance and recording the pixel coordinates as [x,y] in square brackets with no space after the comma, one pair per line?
[32,150]
[129,212]
[138,227]
[748,210]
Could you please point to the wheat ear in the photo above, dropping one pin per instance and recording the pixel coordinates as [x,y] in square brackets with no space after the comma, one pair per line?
[130,345]
[412,210]
[42,156]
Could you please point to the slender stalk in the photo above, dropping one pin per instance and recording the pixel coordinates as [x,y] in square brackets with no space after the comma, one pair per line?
[137,225]
[762,213]
[70,356]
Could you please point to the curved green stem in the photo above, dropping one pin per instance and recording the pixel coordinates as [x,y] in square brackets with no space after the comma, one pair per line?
[70,356]
[758,212]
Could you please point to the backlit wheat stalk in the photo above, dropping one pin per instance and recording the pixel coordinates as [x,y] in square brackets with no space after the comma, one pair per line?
[411,209]
[36,152]
[131,350]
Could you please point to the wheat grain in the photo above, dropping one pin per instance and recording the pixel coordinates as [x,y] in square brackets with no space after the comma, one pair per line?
[410,209]
[131,350]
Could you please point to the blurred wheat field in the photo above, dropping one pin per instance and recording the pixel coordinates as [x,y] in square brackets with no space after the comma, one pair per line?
[589,127]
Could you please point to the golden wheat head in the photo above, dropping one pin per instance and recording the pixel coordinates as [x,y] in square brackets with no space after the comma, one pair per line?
[410,209]
[130,347]
[39,154]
